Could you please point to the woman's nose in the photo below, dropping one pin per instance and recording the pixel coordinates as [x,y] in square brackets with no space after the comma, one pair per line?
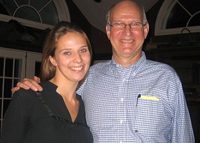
[77,57]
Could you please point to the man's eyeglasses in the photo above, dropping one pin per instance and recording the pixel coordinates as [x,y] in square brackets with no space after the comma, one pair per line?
[133,26]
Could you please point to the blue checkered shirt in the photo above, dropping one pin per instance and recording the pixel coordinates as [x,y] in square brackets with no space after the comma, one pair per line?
[143,103]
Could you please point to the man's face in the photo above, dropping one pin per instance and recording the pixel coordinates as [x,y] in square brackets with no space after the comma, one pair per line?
[126,41]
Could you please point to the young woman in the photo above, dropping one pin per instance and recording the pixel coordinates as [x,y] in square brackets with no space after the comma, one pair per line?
[57,114]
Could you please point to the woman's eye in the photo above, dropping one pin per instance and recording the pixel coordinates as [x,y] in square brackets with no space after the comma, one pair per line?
[83,50]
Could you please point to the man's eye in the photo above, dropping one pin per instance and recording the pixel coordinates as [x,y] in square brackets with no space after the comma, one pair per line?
[135,24]
[119,24]
[67,53]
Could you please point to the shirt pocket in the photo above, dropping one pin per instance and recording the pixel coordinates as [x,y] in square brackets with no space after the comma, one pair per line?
[151,115]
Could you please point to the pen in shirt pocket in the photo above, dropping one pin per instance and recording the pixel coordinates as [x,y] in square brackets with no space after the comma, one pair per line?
[139,95]
[154,98]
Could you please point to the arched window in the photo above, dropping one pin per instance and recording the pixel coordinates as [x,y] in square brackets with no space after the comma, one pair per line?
[35,13]
[176,15]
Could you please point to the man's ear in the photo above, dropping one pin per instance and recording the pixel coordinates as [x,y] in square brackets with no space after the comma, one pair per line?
[108,31]
[53,61]
[146,30]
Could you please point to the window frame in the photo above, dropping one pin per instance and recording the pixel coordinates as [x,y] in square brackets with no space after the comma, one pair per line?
[163,15]
[63,15]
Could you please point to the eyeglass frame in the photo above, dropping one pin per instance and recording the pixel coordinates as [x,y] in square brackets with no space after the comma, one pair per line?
[124,25]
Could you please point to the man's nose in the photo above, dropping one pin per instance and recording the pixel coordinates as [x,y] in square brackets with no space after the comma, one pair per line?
[127,29]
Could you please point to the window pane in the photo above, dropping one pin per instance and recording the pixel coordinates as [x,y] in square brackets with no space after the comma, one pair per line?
[47,11]
[10,6]
[28,13]
[7,88]
[39,5]
[1,65]
[175,20]
[192,6]
[37,68]
[0,103]
[16,81]
[1,83]
[21,2]
[195,20]
[9,67]
[3,10]
[18,68]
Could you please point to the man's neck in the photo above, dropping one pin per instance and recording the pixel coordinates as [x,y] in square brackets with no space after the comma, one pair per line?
[127,61]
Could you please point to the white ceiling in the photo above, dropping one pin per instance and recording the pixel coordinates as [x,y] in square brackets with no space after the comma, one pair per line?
[95,12]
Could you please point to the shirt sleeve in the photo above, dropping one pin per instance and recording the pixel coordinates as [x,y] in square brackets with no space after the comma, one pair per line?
[182,128]
[81,88]
[14,122]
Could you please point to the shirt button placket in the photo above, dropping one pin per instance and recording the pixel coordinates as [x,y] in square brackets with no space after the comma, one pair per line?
[122,109]
[121,121]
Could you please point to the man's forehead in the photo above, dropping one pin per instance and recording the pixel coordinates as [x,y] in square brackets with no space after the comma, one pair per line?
[126,15]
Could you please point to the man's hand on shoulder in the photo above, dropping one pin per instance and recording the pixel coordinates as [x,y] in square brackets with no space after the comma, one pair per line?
[28,83]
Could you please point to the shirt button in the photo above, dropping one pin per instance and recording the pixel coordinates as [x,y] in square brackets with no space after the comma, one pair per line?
[121,121]
[122,99]
[123,80]
[121,142]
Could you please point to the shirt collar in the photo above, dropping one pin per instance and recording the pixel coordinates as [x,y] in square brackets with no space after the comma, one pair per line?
[136,65]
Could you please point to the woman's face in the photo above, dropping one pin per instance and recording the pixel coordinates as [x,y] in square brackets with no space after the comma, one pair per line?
[72,57]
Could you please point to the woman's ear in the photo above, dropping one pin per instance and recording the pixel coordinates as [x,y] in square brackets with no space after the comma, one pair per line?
[53,61]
